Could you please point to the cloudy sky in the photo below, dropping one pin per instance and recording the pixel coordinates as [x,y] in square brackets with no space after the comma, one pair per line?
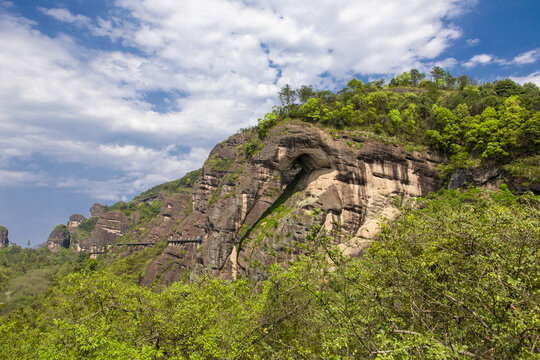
[102,99]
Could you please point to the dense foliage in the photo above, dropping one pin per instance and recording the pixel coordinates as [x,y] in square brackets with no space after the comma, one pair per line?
[183,184]
[25,274]
[490,122]
[456,276]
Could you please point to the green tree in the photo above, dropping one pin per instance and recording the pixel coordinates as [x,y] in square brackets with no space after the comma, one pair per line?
[437,73]
[304,93]
[416,77]
[287,96]
[311,110]
[506,88]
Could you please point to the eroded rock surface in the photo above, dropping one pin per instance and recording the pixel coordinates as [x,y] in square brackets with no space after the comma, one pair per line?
[251,211]
[97,210]
[75,220]
[4,241]
[59,238]
[110,227]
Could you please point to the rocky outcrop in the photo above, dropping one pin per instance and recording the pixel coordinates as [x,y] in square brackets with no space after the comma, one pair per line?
[97,210]
[59,238]
[75,220]
[110,227]
[4,241]
[251,210]
[490,178]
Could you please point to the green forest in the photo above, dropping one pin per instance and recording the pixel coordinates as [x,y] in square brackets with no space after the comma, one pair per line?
[456,276]
[489,123]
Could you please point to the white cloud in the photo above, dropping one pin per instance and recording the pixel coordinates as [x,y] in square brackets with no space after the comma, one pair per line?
[17,178]
[142,169]
[532,78]
[473,42]
[64,15]
[481,59]
[528,57]
[219,63]
[447,63]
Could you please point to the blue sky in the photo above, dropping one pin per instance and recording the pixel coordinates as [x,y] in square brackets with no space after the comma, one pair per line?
[102,99]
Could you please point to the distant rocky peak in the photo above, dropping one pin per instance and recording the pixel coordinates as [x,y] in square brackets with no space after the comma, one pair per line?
[3,237]
[75,220]
[97,210]
[59,238]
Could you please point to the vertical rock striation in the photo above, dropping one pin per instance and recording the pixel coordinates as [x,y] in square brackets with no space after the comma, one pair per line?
[59,238]
[252,210]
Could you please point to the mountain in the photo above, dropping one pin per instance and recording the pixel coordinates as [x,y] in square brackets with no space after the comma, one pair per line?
[248,210]
[343,161]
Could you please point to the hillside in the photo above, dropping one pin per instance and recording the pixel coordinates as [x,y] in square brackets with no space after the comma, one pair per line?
[353,156]
[391,221]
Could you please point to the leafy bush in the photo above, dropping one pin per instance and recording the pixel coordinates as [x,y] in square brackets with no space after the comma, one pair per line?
[456,276]
[88,225]
[183,184]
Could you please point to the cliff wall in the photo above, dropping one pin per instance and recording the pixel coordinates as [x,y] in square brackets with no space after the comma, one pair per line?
[250,209]
[4,241]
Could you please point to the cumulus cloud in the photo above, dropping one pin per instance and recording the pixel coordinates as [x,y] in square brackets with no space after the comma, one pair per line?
[64,15]
[447,63]
[141,168]
[481,59]
[531,78]
[528,57]
[217,65]
[304,42]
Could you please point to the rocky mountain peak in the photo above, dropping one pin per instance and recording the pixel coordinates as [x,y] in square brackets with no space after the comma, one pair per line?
[59,238]
[97,210]
[75,220]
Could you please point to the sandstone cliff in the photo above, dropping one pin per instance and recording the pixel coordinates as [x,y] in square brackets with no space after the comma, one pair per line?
[59,238]
[75,220]
[110,227]
[4,241]
[255,200]
[250,208]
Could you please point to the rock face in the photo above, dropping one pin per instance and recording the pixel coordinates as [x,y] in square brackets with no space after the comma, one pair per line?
[75,220]
[490,179]
[252,210]
[97,210]
[110,227]
[4,241]
[59,238]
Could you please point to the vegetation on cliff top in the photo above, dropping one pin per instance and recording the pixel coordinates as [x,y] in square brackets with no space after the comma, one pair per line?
[183,184]
[493,123]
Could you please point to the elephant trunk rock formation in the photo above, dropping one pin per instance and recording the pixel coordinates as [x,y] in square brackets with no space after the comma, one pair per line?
[251,207]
